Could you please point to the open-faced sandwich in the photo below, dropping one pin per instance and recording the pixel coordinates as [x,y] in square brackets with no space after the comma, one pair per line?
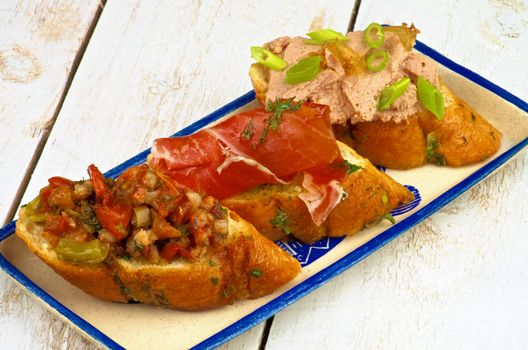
[141,238]
[386,100]
[280,168]
[178,231]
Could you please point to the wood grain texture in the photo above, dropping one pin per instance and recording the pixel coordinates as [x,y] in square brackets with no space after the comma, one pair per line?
[459,279]
[39,41]
[150,69]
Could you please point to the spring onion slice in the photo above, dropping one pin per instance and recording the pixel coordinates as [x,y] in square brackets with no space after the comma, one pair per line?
[267,58]
[304,70]
[319,37]
[391,93]
[374,35]
[376,56]
[431,98]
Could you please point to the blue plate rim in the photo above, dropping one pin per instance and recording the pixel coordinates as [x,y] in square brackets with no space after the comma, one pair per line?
[321,277]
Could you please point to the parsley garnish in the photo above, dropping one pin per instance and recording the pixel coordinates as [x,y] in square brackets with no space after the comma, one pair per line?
[431,153]
[256,273]
[248,131]
[277,108]
[351,167]
[215,280]
[281,221]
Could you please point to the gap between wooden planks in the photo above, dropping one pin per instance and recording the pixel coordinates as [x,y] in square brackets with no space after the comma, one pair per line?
[156,66]
[40,47]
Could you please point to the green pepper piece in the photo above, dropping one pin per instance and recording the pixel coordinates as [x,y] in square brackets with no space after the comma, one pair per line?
[92,252]
[32,211]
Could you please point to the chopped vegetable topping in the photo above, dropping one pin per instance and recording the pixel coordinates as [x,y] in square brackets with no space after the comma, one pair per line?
[281,221]
[374,35]
[215,280]
[430,97]
[92,252]
[384,198]
[319,37]
[32,211]
[267,58]
[304,70]
[256,273]
[377,60]
[391,93]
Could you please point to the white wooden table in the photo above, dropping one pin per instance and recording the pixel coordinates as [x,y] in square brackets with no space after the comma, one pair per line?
[94,81]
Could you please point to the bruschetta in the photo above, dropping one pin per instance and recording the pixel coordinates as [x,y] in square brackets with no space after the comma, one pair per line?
[141,238]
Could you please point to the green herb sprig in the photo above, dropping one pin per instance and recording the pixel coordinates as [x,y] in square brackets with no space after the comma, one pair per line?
[281,221]
[277,108]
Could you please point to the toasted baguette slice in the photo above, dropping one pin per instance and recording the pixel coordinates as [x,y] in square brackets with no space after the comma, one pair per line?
[249,266]
[370,195]
[461,137]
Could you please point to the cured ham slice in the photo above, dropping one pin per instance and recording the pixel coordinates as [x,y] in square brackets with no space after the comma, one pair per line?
[259,147]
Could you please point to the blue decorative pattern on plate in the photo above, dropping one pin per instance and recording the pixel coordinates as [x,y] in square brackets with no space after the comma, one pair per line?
[402,209]
[333,256]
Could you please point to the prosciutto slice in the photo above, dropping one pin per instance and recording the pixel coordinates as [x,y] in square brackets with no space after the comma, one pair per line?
[255,148]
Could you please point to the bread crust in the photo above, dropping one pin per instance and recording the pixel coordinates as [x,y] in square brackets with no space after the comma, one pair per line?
[218,279]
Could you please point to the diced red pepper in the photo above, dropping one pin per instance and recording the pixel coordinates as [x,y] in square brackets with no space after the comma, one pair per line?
[99,183]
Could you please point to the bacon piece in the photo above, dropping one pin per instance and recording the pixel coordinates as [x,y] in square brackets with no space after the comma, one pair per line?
[245,151]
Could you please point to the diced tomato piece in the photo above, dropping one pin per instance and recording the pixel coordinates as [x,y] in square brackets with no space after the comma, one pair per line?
[60,181]
[170,251]
[114,218]
[56,224]
[99,182]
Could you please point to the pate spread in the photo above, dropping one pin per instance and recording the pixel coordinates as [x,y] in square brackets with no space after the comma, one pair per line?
[352,97]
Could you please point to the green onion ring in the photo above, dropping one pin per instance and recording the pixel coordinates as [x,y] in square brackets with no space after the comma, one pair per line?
[320,36]
[391,93]
[267,58]
[430,97]
[304,70]
[375,56]
[377,30]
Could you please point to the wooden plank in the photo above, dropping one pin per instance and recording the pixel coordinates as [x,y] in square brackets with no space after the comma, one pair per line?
[38,44]
[39,41]
[458,280]
[153,67]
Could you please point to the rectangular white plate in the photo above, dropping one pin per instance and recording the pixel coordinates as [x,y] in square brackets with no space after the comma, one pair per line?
[142,326]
